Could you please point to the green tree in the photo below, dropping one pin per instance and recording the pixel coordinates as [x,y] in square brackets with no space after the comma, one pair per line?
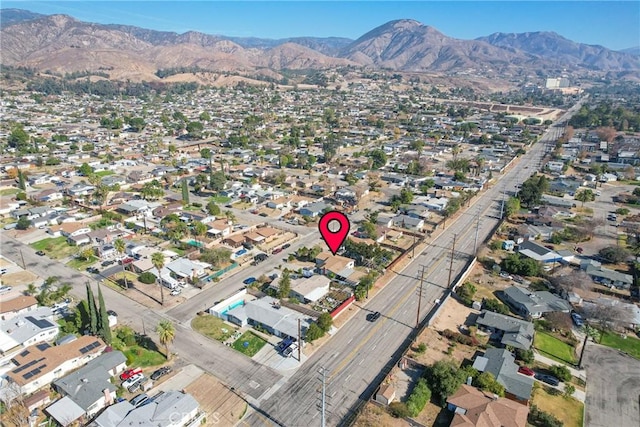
[512,206]
[185,192]
[378,157]
[585,195]
[486,381]
[614,254]
[105,330]
[284,285]
[492,304]
[205,153]
[444,378]
[213,209]
[314,332]
[418,398]
[561,372]
[216,257]
[137,124]
[217,181]
[23,223]
[22,184]
[85,170]
[195,130]
[93,311]
[538,418]
[120,246]
[205,116]
[569,389]
[157,259]
[532,190]
[526,356]
[166,334]
[466,292]
[198,230]
[18,138]
[325,321]
[369,229]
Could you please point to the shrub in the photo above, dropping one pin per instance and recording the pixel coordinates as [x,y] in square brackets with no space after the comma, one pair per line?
[466,292]
[422,347]
[494,305]
[147,277]
[561,372]
[525,355]
[540,418]
[569,389]
[398,409]
[419,397]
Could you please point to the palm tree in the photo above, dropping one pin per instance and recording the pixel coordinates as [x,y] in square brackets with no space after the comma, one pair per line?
[230,215]
[31,289]
[198,230]
[157,259]
[166,333]
[119,245]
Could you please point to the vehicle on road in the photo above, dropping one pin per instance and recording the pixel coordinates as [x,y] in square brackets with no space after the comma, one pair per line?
[249,280]
[93,270]
[259,258]
[130,373]
[549,379]
[372,317]
[3,271]
[577,319]
[11,226]
[526,371]
[139,400]
[160,372]
[107,263]
[41,253]
[132,380]
[5,289]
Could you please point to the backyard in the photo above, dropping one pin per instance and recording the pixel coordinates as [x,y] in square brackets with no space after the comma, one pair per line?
[212,327]
[140,350]
[54,247]
[567,409]
[627,344]
[249,344]
[554,348]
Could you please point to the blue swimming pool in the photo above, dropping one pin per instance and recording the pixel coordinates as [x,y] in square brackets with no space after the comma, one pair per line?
[232,306]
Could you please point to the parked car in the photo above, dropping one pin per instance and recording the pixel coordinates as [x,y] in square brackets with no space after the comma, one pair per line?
[112,313]
[549,379]
[107,263]
[125,261]
[247,245]
[5,289]
[93,270]
[277,251]
[284,344]
[3,271]
[132,379]
[175,292]
[136,385]
[249,280]
[577,319]
[139,400]
[289,350]
[372,317]
[41,253]
[129,373]
[526,371]
[286,246]
[160,372]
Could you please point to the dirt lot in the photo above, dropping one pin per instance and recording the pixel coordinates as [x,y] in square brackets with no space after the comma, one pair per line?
[19,278]
[453,315]
[375,416]
[149,295]
[223,407]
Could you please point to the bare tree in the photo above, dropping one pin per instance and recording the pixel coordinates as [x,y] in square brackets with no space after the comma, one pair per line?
[16,412]
[568,282]
[609,316]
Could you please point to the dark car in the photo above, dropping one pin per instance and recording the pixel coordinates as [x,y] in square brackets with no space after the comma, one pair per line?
[286,246]
[107,263]
[577,319]
[160,372]
[372,317]
[41,253]
[284,344]
[549,379]
[112,313]
[247,245]
[93,270]
[249,280]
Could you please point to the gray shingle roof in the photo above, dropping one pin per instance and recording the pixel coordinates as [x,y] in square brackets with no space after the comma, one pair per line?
[536,302]
[517,333]
[502,365]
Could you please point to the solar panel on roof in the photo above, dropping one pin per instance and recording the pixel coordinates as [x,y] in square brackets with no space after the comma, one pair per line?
[90,347]
[24,353]
[40,323]
[43,346]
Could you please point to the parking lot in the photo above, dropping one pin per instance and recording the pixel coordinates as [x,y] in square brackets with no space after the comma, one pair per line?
[613,390]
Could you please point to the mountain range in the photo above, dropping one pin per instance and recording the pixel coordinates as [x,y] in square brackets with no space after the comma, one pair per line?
[63,44]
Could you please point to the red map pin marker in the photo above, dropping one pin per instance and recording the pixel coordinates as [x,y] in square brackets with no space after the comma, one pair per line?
[334,228]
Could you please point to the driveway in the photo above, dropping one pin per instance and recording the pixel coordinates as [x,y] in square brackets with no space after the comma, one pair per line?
[613,389]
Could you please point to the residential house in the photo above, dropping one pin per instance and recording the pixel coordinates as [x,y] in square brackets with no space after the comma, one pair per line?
[508,330]
[88,389]
[24,330]
[184,268]
[169,409]
[49,195]
[335,264]
[220,228]
[37,366]
[279,203]
[17,306]
[269,314]
[408,222]
[310,289]
[476,408]
[534,304]
[537,252]
[235,240]
[609,277]
[501,364]
[268,233]
[313,209]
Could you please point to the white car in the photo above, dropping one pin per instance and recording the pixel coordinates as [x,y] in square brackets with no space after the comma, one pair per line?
[132,380]
[175,292]
[4,289]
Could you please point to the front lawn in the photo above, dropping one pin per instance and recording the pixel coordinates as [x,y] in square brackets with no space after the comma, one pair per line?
[54,247]
[253,344]
[140,356]
[9,191]
[567,409]
[212,327]
[81,263]
[140,350]
[220,199]
[629,345]
[554,348]
[104,173]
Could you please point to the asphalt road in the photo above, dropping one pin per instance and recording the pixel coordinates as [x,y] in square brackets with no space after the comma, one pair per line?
[613,391]
[358,352]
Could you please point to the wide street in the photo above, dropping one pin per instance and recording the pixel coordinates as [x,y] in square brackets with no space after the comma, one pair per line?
[355,356]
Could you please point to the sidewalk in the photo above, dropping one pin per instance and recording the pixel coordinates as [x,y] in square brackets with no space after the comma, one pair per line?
[578,373]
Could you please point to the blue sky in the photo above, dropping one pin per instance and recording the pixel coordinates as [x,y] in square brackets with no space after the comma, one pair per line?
[614,24]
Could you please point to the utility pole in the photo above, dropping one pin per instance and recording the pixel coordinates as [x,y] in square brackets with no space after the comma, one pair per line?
[299,341]
[324,394]
[420,297]
[453,248]
[502,205]
[475,243]
[24,266]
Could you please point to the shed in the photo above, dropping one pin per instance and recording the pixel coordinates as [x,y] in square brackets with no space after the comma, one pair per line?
[386,394]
